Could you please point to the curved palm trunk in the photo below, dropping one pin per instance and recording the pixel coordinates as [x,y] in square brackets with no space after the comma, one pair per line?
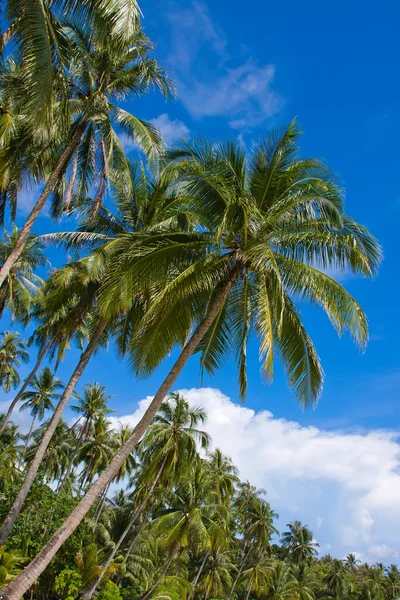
[36,210]
[23,582]
[162,574]
[41,355]
[48,434]
[29,436]
[89,593]
[71,182]
[249,588]
[199,572]
[239,573]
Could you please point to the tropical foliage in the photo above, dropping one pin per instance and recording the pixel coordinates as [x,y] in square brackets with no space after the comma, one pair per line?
[202,247]
[199,532]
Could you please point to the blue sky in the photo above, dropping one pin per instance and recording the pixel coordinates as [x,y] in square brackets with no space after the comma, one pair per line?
[240,70]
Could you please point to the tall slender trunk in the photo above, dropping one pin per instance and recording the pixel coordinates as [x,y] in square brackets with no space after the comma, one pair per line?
[22,582]
[28,437]
[74,455]
[101,504]
[239,573]
[162,574]
[199,572]
[249,588]
[130,548]
[71,182]
[36,210]
[89,593]
[42,353]
[48,434]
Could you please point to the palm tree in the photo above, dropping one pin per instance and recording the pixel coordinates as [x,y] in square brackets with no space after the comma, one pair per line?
[101,70]
[97,451]
[262,224]
[299,542]
[71,292]
[59,452]
[351,562]
[281,582]
[11,562]
[10,455]
[256,578]
[41,397]
[12,353]
[224,475]
[18,291]
[35,31]
[216,575]
[167,451]
[43,350]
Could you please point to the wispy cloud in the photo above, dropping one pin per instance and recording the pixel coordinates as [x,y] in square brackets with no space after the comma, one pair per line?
[171,129]
[212,82]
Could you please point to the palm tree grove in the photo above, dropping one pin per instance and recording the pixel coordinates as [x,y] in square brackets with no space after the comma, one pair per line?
[164,254]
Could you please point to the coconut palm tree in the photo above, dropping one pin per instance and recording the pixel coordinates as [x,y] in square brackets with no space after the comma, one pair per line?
[58,454]
[10,456]
[167,451]
[224,475]
[97,451]
[299,542]
[36,32]
[41,398]
[101,71]
[91,406]
[263,223]
[18,291]
[216,575]
[256,578]
[12,353]
[71,292]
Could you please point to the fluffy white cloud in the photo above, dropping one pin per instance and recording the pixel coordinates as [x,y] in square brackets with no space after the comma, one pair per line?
[344,484]
[171,129]
[210,81]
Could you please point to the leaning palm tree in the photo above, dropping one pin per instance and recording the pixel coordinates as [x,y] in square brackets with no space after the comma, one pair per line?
[12,353]
[71,293]
[167,450]
[41,398]
[35,30]
[101,71]
[19,290]
[270,226]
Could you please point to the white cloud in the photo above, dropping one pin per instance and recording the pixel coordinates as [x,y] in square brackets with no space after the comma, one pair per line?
[128,144]
[344,484]
[211,82]
[27,198]
[171,129]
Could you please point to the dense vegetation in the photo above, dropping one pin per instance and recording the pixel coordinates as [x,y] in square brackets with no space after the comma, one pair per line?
[184,526]
[200,247]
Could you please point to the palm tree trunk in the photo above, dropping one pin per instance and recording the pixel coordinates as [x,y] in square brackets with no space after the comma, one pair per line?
[22,582]
[199,572]
[28,437]
[48,434]
[249,589]
[239,573]
[71,182]
[73,457]
[101,505]
[42,353]
[89,593]
[130,548]
[162,574]
[26,229]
